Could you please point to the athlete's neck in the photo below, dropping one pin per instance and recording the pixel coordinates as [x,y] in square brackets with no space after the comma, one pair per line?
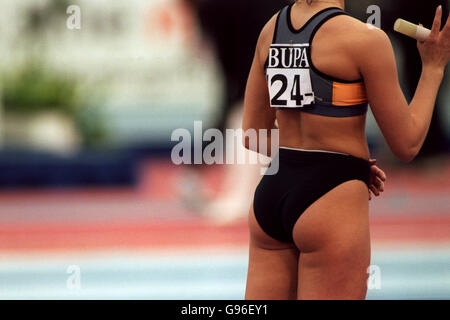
[320,4]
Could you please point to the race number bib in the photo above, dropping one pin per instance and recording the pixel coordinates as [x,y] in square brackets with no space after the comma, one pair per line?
[288,76]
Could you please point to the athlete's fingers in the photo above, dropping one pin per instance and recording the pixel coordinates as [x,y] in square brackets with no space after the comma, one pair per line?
[384,176]
[374,190]
[377,187]
[420,42]
[436,24]
[377,172]
[373,172]
[381,175]
[373,162]
[379,184]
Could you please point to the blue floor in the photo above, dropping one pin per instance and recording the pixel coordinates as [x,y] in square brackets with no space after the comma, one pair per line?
[403,274]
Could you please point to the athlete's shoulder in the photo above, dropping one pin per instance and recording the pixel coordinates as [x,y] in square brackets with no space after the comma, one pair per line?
[359,36]
[368,46]
[363,32]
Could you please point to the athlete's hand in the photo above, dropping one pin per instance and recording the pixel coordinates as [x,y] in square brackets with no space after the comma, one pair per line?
[377,179]
[435,50]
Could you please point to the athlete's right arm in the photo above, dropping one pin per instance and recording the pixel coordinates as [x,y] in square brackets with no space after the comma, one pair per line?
[257,111]
[404,127]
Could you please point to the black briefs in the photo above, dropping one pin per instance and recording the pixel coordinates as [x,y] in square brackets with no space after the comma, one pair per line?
[303,177]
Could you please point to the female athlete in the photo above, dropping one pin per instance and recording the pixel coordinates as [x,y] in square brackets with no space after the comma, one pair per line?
[315,71]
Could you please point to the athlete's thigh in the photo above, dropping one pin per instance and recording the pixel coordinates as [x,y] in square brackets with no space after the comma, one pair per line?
[272,267]
[333,236]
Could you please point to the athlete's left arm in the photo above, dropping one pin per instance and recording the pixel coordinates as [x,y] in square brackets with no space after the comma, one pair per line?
[257,111]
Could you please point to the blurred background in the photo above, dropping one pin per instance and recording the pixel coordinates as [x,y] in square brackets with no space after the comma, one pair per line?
[91,206]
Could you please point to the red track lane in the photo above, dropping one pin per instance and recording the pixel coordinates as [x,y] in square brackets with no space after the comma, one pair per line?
[178,234]
[159,180]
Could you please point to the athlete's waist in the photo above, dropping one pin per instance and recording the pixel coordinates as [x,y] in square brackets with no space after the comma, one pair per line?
[309,139]
[314,155]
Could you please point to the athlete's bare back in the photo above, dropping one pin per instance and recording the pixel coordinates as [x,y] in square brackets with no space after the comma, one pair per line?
[331,54]
[349,49]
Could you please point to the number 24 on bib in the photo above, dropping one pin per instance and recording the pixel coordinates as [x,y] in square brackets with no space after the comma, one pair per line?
[289,88]
[288,78]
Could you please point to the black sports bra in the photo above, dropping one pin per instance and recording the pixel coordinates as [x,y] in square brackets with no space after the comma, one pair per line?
[294,82]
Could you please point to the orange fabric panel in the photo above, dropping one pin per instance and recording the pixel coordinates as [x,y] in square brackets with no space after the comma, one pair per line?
[348,94]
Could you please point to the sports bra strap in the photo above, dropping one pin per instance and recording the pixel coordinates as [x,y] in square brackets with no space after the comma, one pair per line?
[285,31]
